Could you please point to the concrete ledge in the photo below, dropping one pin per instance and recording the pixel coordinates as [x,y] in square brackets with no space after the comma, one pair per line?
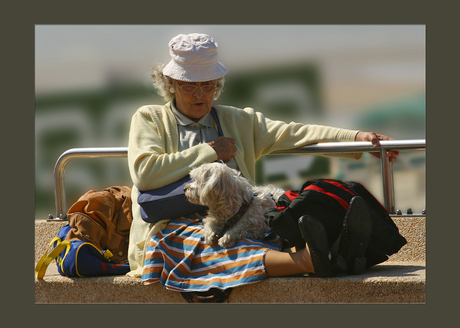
[414,230]
[390,282]
[402,279]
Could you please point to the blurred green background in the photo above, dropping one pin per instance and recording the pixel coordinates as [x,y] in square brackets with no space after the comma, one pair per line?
[90,79]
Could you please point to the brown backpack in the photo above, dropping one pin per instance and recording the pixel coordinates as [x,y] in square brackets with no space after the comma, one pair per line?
[104,219]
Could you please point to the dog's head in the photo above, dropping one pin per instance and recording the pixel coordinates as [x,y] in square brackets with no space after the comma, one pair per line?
[215,184]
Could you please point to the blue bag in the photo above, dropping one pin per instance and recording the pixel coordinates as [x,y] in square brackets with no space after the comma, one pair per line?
[77,258]
[170,202]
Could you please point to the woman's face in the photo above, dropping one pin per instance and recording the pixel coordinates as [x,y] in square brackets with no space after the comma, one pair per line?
[196,104]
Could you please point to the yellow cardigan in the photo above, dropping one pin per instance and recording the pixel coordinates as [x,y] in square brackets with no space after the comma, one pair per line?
[154,160]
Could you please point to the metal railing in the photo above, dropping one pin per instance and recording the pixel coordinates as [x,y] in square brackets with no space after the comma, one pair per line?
[316,149]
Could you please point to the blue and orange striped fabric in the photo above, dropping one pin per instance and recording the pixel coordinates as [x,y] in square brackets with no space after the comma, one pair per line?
[180,260]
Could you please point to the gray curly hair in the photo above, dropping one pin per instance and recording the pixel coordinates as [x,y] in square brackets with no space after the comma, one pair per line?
[161,83]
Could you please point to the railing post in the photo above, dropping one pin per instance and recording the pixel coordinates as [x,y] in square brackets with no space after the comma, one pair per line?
[387,182]
[93,152]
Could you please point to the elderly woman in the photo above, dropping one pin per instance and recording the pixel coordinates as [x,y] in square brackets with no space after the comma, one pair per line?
[166,141]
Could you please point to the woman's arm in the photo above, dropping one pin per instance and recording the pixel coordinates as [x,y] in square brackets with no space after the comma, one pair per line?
[275,135]
[293,135]
[153,157]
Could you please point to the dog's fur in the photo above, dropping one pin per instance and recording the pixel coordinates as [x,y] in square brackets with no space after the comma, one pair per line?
[223,190]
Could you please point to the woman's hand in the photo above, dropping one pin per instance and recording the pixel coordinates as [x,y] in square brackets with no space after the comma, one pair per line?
[224,147]
[375,139]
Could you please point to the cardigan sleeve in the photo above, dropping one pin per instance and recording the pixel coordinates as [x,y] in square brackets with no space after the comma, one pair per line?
[153,157]
[271,135]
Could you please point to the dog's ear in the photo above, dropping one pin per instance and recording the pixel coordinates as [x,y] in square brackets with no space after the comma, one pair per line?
[218,181]
[209,179]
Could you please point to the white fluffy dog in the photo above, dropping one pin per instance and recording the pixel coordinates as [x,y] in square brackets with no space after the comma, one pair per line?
[225,192]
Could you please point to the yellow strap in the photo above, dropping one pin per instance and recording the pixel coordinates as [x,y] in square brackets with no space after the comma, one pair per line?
[46,259]
[108,254]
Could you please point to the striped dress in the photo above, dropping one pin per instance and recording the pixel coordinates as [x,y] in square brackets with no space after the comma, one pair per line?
[180,260]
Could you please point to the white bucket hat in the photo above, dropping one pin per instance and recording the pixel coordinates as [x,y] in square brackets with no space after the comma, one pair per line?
[194,59]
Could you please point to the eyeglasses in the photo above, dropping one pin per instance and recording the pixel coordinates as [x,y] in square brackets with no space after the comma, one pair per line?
[191,88]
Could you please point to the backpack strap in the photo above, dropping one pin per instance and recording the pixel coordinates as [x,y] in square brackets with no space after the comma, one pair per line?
[216,119]
[46,259]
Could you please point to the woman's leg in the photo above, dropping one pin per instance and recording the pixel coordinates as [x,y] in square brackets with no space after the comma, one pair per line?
[288,263]
[316,257]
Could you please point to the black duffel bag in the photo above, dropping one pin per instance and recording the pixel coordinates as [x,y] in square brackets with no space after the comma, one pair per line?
[328,201]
